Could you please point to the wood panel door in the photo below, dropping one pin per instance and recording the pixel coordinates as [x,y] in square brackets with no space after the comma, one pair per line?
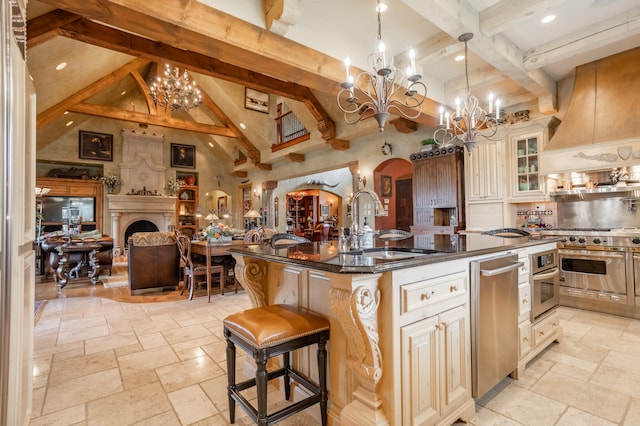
[404,204]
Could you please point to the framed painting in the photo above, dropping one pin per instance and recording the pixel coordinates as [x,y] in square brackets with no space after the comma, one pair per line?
[222,205]
[183,155]
[385,185]
[95,146]
[256,100]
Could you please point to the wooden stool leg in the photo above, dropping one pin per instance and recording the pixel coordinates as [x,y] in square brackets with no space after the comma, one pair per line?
[231,377]
[261,385]
[322,378]
[286,364]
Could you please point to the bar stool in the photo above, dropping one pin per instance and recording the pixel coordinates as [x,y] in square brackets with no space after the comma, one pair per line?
[267,332]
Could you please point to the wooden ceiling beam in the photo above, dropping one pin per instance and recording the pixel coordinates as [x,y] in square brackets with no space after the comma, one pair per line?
[46,116]
[47,26]
[138,117]
[196,27]
[296,158]
[144,88]
[109,38]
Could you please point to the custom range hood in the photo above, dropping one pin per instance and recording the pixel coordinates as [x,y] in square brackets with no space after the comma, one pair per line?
[601,128]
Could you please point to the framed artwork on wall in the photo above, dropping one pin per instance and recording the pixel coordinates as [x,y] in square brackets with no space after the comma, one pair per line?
[222,205]
[95,146]
[256,100]
[183,155]
[386,186]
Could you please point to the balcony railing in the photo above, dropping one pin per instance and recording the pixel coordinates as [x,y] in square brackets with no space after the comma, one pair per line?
[290,131]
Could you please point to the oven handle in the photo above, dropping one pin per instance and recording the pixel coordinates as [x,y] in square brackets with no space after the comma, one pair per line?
[556,271]
[498,271]
[600,254]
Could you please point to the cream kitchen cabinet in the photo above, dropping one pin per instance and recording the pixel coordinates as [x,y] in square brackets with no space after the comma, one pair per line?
[527,142]
[484,171]
[435,345]
[435,368]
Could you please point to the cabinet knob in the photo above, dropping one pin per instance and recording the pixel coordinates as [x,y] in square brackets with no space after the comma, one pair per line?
[438,326]
[525,339]
[426,296]
[453,288]
[542,333]
[525,301]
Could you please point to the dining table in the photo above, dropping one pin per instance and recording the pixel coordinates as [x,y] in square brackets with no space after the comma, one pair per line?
[217,253]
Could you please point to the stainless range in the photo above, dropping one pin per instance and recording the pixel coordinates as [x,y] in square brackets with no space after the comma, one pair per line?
[597,269]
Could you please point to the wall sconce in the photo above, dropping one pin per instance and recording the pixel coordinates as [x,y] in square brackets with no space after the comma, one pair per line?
[256,194]
[362,180]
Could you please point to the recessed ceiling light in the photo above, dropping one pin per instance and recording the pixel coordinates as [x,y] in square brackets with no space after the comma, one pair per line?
[548,19]
[61,66]
[381,7]
[66,112]
[459,58]
[210,144]
[69,123]
[243,126]
[124,92]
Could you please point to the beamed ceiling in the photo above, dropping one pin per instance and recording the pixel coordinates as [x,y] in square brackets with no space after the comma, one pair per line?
[115,47]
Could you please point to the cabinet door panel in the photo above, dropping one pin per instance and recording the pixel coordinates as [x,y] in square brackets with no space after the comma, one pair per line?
[456,383]
[445,182]
[420,372]
[422,185]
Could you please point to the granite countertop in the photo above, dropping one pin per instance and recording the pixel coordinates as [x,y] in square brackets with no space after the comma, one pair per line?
[400,254]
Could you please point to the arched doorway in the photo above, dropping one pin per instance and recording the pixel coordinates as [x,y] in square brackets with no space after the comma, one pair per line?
[393,180]
[307,208]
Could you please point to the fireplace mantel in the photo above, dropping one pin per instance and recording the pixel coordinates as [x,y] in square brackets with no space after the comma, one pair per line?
[126,209]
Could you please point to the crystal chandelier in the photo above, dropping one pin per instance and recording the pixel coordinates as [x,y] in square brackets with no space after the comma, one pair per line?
[382,87]
[468,120]
[175,90]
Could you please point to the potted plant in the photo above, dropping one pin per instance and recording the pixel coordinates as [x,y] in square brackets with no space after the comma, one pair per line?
[428,144]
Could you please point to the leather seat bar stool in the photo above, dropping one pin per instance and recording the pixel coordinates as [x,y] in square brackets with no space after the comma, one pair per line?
[270,331]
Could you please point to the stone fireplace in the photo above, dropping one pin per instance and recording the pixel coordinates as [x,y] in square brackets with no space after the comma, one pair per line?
[143,181]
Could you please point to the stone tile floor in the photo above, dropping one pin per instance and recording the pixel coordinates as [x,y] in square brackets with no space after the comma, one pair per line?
[103,362]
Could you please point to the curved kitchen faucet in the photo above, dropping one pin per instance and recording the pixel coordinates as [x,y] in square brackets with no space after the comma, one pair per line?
[356,233]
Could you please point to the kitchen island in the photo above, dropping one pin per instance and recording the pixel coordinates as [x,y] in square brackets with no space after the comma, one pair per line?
[400,350]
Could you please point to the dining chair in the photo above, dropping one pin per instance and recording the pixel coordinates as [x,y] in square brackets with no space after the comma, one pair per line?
[191,269]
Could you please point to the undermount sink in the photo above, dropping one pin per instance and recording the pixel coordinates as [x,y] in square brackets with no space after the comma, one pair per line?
[394,253]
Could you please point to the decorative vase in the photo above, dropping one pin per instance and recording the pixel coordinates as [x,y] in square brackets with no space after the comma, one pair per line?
[191,180]
[113,189]
[214,240]
[226,239]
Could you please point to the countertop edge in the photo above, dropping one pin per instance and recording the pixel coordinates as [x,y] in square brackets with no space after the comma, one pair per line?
[389,266]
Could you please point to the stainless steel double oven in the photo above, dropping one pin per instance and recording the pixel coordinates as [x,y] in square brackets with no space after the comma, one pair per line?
[545,278]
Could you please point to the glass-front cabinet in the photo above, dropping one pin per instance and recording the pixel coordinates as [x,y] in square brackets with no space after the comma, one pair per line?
[528,140]
[527,156]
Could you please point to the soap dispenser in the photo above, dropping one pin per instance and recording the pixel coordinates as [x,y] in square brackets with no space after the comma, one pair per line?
[367,235]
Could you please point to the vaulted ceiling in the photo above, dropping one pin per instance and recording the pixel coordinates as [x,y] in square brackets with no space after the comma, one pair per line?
[293,49]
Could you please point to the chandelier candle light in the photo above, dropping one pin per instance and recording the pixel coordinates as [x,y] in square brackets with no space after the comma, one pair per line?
[175,90]
[468,120]
[382,87]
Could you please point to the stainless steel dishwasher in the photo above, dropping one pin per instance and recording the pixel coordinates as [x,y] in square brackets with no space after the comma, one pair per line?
[494,321]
